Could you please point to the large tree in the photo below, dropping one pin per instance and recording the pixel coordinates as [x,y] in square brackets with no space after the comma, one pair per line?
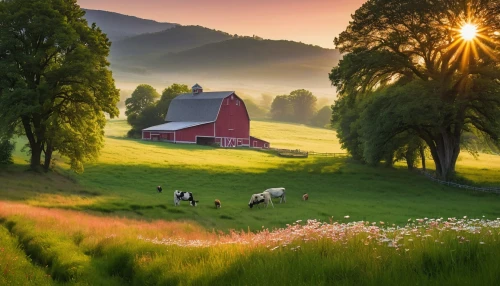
[438,64]
[55,80]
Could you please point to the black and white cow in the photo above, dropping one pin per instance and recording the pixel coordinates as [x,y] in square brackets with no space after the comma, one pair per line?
[159,189]
[184,196]
[277,193]
[256,199]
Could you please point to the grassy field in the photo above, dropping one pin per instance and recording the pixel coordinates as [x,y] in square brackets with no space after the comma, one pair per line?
[123,183]
[99,228]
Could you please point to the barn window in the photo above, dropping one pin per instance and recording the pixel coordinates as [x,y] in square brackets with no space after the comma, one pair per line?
[237,102]
[227,102]
[265,145]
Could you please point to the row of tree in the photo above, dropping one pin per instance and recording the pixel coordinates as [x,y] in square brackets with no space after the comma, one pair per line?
[410,79]
[146,108]
[299,107]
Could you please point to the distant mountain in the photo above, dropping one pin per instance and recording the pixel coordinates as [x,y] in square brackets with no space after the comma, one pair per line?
[145,47]
[118,26]
[248,58]
[175,39]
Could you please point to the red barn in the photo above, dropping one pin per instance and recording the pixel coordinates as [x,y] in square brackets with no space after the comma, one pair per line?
[206,118]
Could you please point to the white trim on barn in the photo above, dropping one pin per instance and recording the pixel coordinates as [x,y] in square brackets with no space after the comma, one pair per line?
[174,126]
[231,142]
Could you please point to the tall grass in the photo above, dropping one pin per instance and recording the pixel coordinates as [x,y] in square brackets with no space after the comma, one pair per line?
[15,266]
[112,251]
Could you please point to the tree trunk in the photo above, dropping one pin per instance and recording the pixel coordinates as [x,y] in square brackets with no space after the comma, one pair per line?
[36,154]
[48,157]
[445,149]
[35,146]
[422,155]
[410,162]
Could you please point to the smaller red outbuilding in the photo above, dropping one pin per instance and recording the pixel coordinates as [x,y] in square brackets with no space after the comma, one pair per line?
[259,143]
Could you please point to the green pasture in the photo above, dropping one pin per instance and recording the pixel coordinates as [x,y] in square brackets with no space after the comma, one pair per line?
[123,183]
[116,204]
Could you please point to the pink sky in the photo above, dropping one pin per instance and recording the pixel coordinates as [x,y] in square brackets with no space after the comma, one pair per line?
[315,22]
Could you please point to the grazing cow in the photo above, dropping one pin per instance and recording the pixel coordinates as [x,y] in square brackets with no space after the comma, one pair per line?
[256,199]
[184,196]
[159,189]
[277,193]
[305,197]
[217,204]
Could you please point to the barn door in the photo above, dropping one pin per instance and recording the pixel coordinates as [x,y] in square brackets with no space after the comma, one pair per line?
[230,142]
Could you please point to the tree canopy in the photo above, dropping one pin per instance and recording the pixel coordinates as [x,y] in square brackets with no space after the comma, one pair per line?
[299,106]
[55,82]
[145,110]
[168,95]
[425,77]
[143,96]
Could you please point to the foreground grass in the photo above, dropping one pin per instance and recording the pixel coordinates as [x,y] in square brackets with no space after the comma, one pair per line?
[112,251]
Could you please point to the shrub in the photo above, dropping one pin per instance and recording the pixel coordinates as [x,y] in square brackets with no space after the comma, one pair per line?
[6,149]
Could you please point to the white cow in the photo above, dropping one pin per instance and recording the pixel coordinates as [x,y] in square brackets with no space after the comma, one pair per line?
[277,193]
[184,196]
[256,199]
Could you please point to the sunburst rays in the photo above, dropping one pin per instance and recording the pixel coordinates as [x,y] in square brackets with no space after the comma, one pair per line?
[470,41]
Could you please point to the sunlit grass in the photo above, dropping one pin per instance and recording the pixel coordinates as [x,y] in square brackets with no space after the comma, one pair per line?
[297,136]
[15,266]
[81,249]
[123,183]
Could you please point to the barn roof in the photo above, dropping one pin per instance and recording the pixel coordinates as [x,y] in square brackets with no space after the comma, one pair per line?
[201,107]
[174,126]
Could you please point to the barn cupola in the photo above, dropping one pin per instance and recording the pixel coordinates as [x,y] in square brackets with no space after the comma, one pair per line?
[197,89]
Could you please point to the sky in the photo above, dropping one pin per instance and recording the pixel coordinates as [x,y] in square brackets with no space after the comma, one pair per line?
[315,22]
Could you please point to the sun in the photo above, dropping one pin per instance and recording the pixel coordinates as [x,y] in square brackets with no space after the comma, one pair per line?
[468,32]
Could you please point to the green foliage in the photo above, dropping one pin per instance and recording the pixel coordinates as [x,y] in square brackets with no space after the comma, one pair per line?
[168,95]
[6,149]
[144,110]
[54,79]
[345,117]
[299,106]
[454,84]
[304,105]
[282,108]
[323,117]
[143,96]
[149,116]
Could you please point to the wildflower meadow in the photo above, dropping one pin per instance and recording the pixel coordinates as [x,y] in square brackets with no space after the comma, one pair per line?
[85,249]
